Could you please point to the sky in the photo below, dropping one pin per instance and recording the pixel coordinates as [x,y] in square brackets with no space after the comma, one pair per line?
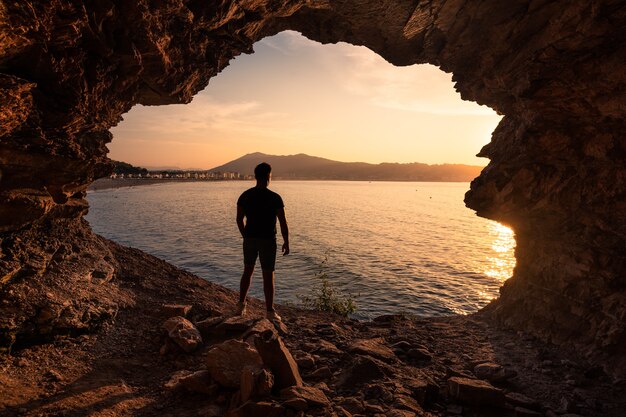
[294,95]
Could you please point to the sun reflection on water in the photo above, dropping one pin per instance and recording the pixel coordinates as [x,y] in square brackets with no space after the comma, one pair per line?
[502,262]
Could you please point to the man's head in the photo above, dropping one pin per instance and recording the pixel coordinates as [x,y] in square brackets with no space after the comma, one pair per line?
[262,172]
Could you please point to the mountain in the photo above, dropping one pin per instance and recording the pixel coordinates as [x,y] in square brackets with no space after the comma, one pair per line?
[303,166]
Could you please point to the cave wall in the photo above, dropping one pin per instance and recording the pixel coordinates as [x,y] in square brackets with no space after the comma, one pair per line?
[70,69]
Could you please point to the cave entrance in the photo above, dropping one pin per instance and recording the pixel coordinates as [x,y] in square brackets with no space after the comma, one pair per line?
[395,245]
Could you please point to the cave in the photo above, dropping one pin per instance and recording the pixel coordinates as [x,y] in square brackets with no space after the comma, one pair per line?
[556,176]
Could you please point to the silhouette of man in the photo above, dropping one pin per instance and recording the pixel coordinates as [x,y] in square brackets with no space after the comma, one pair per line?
[260,207]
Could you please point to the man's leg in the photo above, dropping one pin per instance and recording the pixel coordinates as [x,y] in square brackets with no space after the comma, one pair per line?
[244,285]
[268,289]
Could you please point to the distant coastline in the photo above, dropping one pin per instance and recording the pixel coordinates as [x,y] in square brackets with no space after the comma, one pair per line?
[113,183]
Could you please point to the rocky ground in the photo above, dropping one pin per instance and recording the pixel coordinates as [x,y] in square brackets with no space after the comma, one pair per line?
[150,361]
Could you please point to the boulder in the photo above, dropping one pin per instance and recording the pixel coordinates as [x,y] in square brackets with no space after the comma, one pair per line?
[373,347]
[419,354]
[324,346]
[493,372]
[353,405]
[314,397]
[321,373]
[182,332]
[475,392]
[256,329]
[278,359]
[226,361]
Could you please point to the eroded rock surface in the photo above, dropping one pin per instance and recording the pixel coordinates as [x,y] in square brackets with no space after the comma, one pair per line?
[557,176]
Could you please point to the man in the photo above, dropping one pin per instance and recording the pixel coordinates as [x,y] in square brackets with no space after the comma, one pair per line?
[260,207]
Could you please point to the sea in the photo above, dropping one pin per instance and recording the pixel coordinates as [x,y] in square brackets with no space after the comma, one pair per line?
[393,247]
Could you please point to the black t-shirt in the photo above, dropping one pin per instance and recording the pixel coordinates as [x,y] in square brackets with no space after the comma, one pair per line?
[260,206]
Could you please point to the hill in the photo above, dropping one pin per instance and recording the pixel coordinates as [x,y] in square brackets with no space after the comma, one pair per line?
[303,166]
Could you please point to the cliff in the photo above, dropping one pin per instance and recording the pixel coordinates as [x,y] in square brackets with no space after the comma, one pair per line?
[70,70]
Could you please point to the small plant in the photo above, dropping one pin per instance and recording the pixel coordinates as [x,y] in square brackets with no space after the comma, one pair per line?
[325,297]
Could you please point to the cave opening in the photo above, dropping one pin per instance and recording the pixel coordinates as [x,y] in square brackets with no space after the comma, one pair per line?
[341,102]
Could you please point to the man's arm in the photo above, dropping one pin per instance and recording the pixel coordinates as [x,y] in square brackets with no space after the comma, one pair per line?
[240,216]
[284,229]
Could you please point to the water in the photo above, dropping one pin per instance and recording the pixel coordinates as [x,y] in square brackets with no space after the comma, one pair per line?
[395,246]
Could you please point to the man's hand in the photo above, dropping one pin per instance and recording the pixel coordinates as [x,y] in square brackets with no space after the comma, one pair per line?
[285,248]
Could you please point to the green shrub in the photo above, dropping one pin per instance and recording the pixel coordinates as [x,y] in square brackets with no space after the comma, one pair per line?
[325,297]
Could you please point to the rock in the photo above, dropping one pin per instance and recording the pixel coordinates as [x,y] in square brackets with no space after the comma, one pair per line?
[296,403]
[257,409]
[373,347]
[493,372]
[475,392]
[54,375]
[255,383]
[211,411]
[305,360]
[400,413]
[257,328]
[174,382]
[231,325]
[173,310]
[352,405]
[517,399]
[326,347]
[321,373]
[226,361]
[405,402]
[419,355]
[314,397]
[278,359]
[362,370]
[182,332]
[199,382]
[524,412]
[454,409]
[207,326]
[424,391]
[402,345]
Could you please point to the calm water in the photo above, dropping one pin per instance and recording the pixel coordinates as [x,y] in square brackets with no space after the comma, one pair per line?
[395,246]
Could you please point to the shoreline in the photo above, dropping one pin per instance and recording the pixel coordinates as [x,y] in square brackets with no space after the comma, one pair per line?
[102,184]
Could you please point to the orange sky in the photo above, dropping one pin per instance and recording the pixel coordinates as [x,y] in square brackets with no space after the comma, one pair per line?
[294,95]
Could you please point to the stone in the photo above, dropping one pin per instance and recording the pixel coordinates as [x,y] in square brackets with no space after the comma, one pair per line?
[405,402]
[278,359]
[373,347]
[226,361]
[419,355]
[296,403]
[255,383]
[233,325]
[326,347]
[314,397]
[475,392]
[524,412]
[517,399]
[173,310]
[207,326]
[493,372]
[199,382]
[352,405]
[402,345]
[257,409]
[257,328]
[362,370]
[323,372]
[182,332]
[305,360]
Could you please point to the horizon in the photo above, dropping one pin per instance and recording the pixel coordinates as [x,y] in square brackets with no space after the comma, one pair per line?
[294,95]
[167,167]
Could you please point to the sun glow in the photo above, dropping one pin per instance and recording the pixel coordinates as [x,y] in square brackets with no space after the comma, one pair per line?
[501,264]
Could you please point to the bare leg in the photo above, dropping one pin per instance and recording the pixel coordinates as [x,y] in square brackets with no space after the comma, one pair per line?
[246,279]
[268,289]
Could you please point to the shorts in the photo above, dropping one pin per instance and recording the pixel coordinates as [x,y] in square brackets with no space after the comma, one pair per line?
[265,249]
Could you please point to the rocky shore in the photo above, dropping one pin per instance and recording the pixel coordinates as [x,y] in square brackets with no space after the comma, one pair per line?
[166,343]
